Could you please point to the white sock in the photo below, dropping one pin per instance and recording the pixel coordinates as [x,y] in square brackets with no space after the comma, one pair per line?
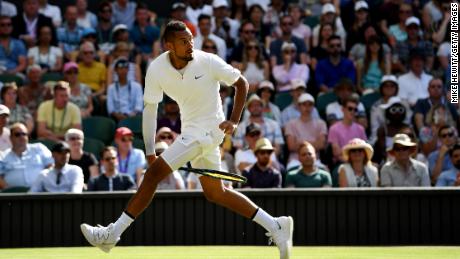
[122,223]
[265,220]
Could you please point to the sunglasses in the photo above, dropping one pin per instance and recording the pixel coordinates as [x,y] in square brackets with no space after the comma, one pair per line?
[405,11]
[436,86]
[20,134]
[352,109]
[163,137]
[6,24]
[74,138]
[400,110]
[106,10]
[249,32]
[334,46]
[289,51]
[110,158]
[449,134]
[287,23]
[72,72]
[359,150]
[252,47]
[254,134]
[265,152]
[399,149]
[126,139]
[88,52]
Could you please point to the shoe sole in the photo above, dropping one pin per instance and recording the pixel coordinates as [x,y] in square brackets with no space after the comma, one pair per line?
[104,247]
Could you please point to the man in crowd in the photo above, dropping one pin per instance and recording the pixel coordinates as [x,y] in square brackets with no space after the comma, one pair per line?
[21,165]
[439,161]
[404,170]
[5,142]
[111,179]
[451,177]
[62,177]
[204,25]
[131,161]
[292,111]
[92,72]
[13,53]
[262,174]
[69,34]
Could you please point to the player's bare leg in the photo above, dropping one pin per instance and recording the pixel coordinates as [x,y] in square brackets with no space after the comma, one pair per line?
[106,237]
[279,229]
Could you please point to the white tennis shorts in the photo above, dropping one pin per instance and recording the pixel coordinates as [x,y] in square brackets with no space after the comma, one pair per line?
[201,152]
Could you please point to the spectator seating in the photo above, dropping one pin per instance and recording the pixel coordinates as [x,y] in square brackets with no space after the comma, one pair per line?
[134,124]
[323,100]
[98,127]
[139,143]
[48,143]
[93,146]
[8,78]
[368,99]
[51,77]
[282,100]
[15,189]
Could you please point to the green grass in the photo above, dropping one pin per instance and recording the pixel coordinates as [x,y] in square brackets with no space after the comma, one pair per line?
[235,252]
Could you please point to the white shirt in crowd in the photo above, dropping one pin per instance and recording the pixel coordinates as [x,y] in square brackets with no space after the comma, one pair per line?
[412,87]
[53,12]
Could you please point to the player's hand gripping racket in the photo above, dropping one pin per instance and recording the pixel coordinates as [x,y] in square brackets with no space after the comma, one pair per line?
[216,174]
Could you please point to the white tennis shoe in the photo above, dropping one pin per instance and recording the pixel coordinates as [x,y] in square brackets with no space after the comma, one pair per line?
[282,237]
[101,237]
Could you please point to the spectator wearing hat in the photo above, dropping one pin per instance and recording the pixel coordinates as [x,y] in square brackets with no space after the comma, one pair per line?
[262,174]
[92,72]
[111,179]
[414,41]
[49,57]
[451,177]
[309,175]
[204,26]
[5,142]
[276,51]
[28,31]
[305,128]
[69,34]
[266,91]
[85,160]
[56,116]
[414,84]
[166,135]
[330,15]
[438,160]
[171,116]
[396,119]
[344,90]
[80,94]
[361,18]
[51,11]
[8,9]
[222,25]
[331,70]
[245,157]
[124,98]
[104,26]
[131,161]
[397,32]
[178,13]
[18,112]
[174,180]
[341,132]
[86,19]
[120,33]
[270,128]
[14,61]
[195,9]
[62,177]
[34,92]
[289,69]
[21,165]
[358,171]
[403,170]
[144,35]
[124,12]
[388,88]
[292,111]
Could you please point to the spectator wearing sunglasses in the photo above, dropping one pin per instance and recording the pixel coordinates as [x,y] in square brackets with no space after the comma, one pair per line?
[166,135]
[451,177]
[347,129]
[85,160]
[62,177]
[21,165]
[439,160]
[80,94]
[111,179]
[209,46]
[404,171]
[131,161]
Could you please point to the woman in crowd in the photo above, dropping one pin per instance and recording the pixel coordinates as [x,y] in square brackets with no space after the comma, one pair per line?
[320,51]
[47,56]
[375,64]
[289,69]
[358,170]
[121,50]
[253,66]
[80,94]
[18,113]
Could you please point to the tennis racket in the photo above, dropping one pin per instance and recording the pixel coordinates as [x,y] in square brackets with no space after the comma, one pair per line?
[216,174]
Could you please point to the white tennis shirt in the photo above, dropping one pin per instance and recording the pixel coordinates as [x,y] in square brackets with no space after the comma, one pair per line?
[196,91]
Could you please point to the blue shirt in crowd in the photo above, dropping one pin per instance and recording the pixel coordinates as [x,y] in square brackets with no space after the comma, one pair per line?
[328,74]
[9,57]
[69,39]
[144,40]
[448,178]
[125,99]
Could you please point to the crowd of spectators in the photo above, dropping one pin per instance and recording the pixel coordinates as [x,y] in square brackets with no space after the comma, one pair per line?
[342,93]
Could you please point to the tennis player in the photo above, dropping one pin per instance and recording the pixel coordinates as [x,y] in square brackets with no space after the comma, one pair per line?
[191,77]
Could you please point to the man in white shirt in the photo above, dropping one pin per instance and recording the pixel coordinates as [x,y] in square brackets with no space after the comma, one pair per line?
[51,11]
[204,26]
[195,8]
[191,77]
[222,25]
[62,177]
[5,142]
[414,84]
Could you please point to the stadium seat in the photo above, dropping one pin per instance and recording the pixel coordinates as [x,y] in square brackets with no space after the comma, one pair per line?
[134,124]
[16,189]
[48,143]
[54,77]
[323,100]
[93,146]
[139,143]
[282,100]
[369,99]
[100,128]
[8,78]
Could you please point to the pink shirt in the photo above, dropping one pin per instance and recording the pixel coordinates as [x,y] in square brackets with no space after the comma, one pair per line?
[340,134]
[309,131]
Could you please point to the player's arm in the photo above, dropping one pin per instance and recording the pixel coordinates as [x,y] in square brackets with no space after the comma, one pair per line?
[241,92]
[149,128]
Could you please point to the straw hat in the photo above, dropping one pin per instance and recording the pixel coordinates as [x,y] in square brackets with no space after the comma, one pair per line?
[357,143]
[263,144]
[403,140]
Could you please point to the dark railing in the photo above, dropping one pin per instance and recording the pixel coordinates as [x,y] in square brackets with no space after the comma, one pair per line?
[322,217]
